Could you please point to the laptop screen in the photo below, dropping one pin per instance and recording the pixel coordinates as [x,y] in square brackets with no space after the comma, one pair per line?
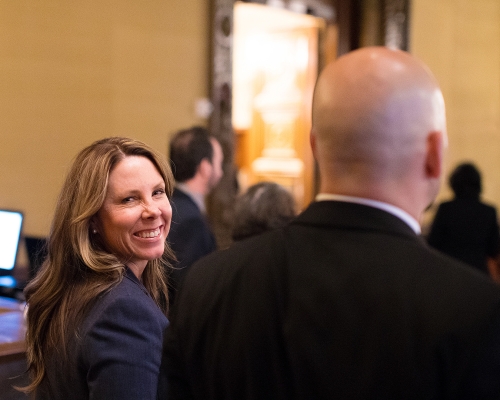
[11,223]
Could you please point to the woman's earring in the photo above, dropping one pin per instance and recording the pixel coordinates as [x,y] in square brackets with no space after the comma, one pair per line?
[94,231]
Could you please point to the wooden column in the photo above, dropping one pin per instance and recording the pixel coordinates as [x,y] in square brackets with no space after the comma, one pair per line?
[396,23]
[220,202]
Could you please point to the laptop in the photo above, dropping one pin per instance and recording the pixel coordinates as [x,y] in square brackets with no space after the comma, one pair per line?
[11,223]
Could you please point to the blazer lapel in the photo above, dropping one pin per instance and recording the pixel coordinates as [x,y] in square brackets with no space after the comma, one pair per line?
[346,215]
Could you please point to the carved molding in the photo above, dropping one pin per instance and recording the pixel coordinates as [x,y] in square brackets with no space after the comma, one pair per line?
[220,203]
[396,23]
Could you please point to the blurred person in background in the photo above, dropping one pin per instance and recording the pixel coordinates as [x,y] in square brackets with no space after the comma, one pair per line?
[196,161]
[264,206]
[465,228]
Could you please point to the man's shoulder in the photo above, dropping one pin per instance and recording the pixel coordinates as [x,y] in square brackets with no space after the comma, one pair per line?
[253,255]
[468,206]
[245,272]
[183,205]
[262,246]
[127,296]
[489,207]
[179,196]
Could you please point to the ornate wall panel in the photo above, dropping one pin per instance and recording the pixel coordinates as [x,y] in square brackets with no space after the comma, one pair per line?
[395,26]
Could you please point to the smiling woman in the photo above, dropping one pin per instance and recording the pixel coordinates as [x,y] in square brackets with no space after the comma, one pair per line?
[97,309]
[135,217]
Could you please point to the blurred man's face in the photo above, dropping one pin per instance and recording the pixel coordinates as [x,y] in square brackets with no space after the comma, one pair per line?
[217,160]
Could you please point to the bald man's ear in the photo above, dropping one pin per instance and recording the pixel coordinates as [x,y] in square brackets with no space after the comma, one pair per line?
[434,156]
[312,140]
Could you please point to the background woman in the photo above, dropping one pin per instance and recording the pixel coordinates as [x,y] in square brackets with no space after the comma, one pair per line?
[465,228]
[97,308]
[264,206]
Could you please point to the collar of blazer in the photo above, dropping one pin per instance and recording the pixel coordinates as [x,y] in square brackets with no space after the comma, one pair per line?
[349,215]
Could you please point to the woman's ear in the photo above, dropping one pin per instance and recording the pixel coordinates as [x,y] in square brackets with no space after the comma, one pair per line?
[94,226]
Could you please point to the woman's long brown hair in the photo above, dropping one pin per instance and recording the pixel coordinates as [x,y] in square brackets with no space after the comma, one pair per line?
[78,269]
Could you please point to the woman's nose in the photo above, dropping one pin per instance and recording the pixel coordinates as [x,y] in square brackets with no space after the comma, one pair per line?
[150,210]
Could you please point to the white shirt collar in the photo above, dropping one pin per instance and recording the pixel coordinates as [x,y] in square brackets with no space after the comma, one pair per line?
[396,211]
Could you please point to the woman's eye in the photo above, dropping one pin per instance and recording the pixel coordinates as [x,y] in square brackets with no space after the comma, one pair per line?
[127,200]
[159,192]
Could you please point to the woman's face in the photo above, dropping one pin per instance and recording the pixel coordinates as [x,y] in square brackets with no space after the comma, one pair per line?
[134,219]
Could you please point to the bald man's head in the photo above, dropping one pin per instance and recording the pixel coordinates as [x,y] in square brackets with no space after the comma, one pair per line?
[373,111]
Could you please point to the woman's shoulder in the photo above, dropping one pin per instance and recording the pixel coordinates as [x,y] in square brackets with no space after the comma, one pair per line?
[122,337]
[126,303]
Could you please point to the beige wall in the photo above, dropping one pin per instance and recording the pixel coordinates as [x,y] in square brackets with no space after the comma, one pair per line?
[75,71]
[460,41]
[72,72]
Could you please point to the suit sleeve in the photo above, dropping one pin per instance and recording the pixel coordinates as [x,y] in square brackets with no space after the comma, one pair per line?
[123,351]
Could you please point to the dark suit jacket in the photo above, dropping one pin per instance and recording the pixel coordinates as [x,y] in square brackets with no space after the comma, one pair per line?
[345,303]
[116,353]
[467,230]
[190,237]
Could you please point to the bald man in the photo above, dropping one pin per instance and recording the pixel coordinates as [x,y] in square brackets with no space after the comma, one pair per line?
[347,302]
